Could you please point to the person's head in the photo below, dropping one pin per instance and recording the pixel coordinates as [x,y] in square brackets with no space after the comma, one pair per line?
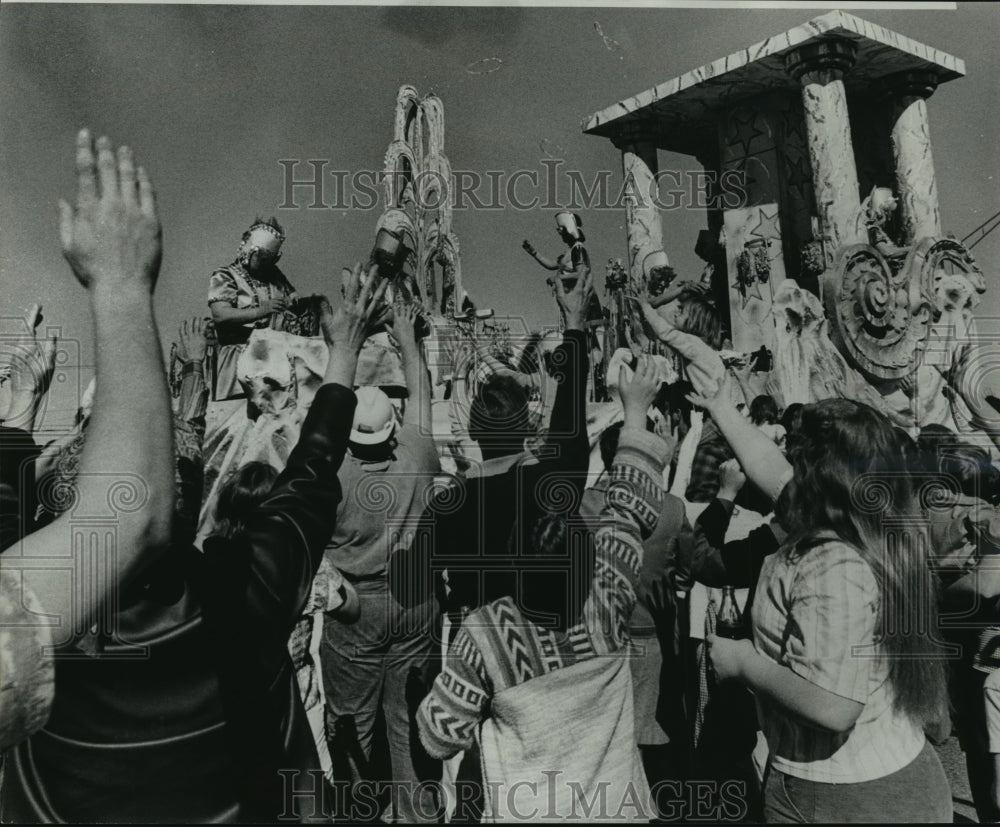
[931,441]
[970,467]
[699,316]
[848,479]
[570,227]
[240,495]
[373,426]
[764,410]
[790,417]
[660,278]
[260,247]
[692,312]
[499,419]
[609,444]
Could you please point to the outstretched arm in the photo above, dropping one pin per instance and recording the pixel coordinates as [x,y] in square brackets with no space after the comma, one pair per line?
[570,361]
[111,239]
[418,405]
[547,263]
[760,458]
[633,503]
[291,527]
[191,349]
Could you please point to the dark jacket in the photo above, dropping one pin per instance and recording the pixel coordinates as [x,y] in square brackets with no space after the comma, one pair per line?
[477,532]
[149,725]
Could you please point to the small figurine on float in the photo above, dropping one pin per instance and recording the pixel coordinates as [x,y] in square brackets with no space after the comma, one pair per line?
[876,212]
[571,263]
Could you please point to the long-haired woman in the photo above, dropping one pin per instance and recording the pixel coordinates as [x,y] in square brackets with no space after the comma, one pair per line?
[844,659]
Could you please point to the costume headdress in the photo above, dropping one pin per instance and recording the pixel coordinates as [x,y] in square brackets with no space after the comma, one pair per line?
[571,223]
[263,237]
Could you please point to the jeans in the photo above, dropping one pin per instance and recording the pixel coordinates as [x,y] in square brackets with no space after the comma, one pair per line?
[381,663]
[918,792]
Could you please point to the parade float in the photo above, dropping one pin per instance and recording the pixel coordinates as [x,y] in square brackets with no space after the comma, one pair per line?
[832,262]
[833,257]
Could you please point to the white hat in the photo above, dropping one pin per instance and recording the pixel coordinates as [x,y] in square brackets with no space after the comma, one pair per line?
[374,417]
[570,222]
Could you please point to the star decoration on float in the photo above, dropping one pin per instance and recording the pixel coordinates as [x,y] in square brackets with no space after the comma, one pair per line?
[767,226]
[744,131]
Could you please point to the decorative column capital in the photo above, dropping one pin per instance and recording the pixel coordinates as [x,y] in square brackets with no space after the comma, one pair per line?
[822,61]
[914,84]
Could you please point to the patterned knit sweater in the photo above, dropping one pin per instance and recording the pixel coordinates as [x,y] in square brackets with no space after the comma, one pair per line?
[544,701]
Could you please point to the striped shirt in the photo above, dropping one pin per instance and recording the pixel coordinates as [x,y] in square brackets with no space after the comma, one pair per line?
[497,648]
[815,612]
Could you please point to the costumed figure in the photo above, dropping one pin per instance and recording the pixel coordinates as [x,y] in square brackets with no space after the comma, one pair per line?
[570,266]
[252,293]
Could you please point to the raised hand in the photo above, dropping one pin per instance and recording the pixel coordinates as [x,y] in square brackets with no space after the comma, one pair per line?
[112,237]
[362,310]
[638,393]
[495,366]
[710,395]
[192,343]
[528,248]
[662,429]
[704,365]
[405,316]
[573,303]
[731,479]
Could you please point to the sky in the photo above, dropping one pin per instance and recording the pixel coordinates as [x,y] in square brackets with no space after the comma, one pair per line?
[211,98]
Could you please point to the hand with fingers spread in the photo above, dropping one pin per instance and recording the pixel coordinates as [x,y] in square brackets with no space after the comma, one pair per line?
[361,312]
[573,303]
[639,393]
[111,237]
[192,343]
[406,316]
[662,429]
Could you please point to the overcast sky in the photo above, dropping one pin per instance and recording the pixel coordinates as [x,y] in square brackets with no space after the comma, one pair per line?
[212,97]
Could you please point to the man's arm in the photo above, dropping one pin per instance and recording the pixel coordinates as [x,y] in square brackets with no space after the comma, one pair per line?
[547,263]
[418,405]
[447,718]
[225,315]
[758,455]
[112,241]
[568,423]
[193,397]
[632,508]
[290,529]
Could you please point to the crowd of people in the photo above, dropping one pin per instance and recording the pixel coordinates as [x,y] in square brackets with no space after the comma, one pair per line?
[517,642]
